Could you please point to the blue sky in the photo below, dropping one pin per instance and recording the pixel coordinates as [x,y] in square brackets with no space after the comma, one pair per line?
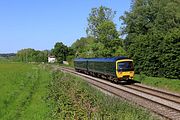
[39,24]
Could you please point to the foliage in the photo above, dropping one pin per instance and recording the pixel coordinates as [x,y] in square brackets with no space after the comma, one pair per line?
[109,37]
[97,17]
[89,47]
[73,98]
[82,47]
[153,33]
[107,32]
[31,55]
[23,91]
[60,51]
[104,40]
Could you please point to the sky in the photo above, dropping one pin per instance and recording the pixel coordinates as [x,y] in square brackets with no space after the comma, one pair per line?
[39,24]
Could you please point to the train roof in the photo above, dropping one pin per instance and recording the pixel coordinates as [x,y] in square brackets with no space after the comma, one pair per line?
[80,59]
[112,59]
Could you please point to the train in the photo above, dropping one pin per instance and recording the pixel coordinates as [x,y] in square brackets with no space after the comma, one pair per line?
[115,68]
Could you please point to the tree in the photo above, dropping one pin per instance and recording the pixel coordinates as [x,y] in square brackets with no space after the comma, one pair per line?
[107,32]
[26,55]
[101,27]
[82,47]
[152,28]
[109,37]
[60,51]
[97,17]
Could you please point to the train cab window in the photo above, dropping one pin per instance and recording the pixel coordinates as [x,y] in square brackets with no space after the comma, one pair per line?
[125,65]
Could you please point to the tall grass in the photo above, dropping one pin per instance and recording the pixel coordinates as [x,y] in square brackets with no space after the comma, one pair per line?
[23,91]
[73,98]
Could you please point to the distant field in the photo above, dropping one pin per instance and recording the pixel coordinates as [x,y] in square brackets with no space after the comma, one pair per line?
[164,83]
[23,88]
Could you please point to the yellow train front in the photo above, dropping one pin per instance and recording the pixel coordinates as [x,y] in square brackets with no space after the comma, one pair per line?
[115,68]
[124,69]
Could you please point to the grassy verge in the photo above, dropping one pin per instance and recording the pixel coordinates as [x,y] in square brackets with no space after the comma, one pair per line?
[23,91]
[164,83]
[73,98]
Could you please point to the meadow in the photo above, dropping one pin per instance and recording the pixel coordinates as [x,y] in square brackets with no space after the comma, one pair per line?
[23,91]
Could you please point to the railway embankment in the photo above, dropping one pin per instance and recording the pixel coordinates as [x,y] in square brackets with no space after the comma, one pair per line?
[163,103]
[74,98]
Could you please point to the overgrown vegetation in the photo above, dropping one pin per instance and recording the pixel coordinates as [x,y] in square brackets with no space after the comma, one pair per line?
[23,91]
[73,98]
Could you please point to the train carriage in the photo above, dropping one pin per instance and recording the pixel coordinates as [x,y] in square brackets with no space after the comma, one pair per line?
[80,64]
[116,68]
[102,66]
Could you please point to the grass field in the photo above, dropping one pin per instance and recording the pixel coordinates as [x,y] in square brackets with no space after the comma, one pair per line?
[33,92]
[164,83]
[23,90]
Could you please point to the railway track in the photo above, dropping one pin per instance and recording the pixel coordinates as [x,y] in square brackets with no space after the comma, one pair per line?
[163,103]
[156,92]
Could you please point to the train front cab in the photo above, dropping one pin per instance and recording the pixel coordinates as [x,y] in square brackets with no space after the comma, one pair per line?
[125,69]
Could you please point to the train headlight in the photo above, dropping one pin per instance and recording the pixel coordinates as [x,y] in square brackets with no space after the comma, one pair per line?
[120,72]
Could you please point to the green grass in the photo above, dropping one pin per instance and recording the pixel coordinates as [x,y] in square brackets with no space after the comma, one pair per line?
[23,91]
[73,98]
[36,92]
[164,83]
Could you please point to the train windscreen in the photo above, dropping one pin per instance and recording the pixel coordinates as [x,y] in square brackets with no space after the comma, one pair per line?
[125,66]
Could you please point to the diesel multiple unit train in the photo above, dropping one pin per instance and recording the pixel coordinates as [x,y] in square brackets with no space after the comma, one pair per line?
[116,68]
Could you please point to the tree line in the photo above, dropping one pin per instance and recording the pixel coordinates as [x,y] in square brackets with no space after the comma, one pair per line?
[32,55]
[152,37]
